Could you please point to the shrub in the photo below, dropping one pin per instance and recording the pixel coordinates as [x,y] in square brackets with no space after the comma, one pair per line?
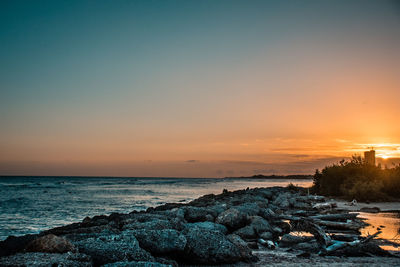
[355,179]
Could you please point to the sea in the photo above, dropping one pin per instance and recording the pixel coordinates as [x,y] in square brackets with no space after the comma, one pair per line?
[29,205]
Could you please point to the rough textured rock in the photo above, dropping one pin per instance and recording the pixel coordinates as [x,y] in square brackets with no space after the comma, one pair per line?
[161,241]
[37,259]
[250,209]
[260,225]
[50,244]
[232,218]
[196,214]
[113,248]
[208,226]
[301,205]
[288,240]
[155,224]
[267,214]
[312,246]
[15,244]
[177,213]
[266,193]
[267,236]
[210,247]
[246,232]
[282,201]
[217,209]
[245,251]
[136,264]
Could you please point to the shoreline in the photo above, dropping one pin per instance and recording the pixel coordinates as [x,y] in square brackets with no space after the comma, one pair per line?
[249,227]
[392,206]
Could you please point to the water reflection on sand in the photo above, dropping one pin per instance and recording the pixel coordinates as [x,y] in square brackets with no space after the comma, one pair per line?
[389,225]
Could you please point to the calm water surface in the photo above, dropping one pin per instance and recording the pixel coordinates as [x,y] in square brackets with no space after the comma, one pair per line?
[386,222]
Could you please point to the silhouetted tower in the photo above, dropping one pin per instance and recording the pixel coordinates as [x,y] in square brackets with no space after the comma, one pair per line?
[369,157]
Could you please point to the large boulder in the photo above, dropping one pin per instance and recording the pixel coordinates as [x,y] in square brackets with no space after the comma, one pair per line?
[164,241]
[15,244]
[208,226]
[38,259]
[50,244]
[266,193]
[289,240]
[217,209]
[267,236]
[197,214]
[260,225]
[245,251]
[246,232]
[113,248]
[209,247]
[301,205]
[282,201]
[267,214]
[232,218]
[250,209]
[312,247]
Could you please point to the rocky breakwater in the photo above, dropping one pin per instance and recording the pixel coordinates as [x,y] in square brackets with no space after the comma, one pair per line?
[213,229]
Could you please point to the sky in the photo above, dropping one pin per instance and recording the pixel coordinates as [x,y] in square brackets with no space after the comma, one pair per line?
[196,88]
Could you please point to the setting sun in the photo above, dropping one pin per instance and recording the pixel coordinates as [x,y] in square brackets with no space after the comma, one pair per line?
[384,156]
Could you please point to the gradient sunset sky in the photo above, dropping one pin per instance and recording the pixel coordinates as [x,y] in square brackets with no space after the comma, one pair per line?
[196,88]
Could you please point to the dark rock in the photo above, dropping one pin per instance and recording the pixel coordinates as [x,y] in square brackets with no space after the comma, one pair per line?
[362,250]
[167,261]
[266,193]
[217,209]
[208,226]
[232,219]
[250,209]
[150,225]
[288,240]
[195,214]
[267,236]
[161,242]
[244,248]
[50,244]
[281,227]
[37,259]
[136,264]
[301,205]
[209,247]
[113,248]
[277,230]
[304,255]
[252,245]
[312,246]
[260,225]
[246,232]
[274,208]
[176,213]
[370,210]
[15,244]
[267,243]
[267,214]
[73,237]
[167,206]
[80,230]
[282,201]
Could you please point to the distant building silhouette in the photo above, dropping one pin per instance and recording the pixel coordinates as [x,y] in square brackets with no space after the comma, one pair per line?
[369,157]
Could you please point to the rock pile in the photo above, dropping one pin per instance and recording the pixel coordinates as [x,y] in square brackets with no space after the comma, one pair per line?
[213,229]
